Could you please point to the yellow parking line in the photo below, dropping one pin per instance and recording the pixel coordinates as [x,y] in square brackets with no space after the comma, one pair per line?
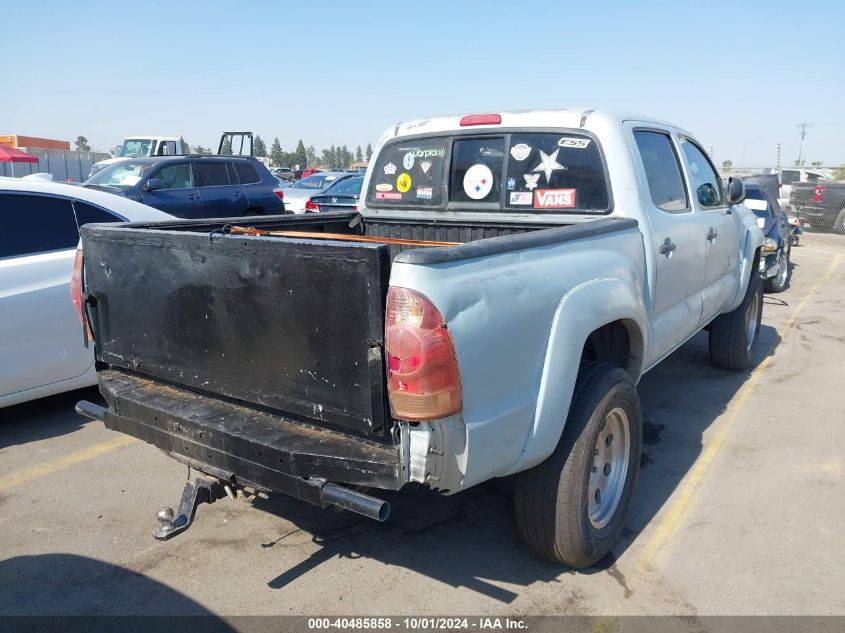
[671,520]
[48,468]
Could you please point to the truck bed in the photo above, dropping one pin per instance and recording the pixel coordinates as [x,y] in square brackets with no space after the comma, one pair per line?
[284,325]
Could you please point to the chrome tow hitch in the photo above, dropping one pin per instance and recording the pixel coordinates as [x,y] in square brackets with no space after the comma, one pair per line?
[195,492]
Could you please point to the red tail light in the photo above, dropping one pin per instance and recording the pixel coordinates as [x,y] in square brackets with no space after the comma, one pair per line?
[311,207]
[423,380]
[280,193]
[481,119]
[818,194]
[76,290]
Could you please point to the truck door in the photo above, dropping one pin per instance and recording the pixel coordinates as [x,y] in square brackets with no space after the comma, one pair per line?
[720,232]
[675,253]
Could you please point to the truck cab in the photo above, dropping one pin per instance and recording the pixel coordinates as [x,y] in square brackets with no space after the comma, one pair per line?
[142,147]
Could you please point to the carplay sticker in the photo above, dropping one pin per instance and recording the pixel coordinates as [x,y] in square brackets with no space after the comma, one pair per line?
[389,169]
[548,164]
[521,151]
[478,181]
[384,187]
[574,143]
[531,180]
[408,161]
[424,193]
[388,196]
[554,199]
[425,166]
[403,183]
[511,184]
[521,197]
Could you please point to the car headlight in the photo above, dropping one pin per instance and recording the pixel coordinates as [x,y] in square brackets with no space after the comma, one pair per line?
[770,245]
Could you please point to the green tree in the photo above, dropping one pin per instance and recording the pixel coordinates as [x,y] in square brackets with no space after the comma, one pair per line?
[199,149]
[186,149]
[817,163]
[359,155]
[258,147]
[839,173]
[310,155]
[276,154]
[800,163]
[82,144]
[299,155]
[727,164]
[369,152]
[328,157]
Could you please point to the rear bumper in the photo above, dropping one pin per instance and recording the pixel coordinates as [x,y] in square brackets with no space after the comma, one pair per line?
[239,444]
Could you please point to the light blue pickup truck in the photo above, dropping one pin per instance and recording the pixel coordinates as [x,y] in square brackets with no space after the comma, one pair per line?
[508,280]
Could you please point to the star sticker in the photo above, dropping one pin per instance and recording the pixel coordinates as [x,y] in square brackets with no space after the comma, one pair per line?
[548,164]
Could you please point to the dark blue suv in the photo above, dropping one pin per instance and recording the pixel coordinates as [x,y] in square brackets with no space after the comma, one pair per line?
[195,186]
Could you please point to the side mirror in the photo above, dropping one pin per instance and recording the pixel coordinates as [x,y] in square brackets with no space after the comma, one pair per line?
[153,184]
[736,191]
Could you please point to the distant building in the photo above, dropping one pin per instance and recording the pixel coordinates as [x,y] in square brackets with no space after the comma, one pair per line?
[360,166]
[17,141]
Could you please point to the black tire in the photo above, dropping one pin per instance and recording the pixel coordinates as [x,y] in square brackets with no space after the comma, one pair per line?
[551,500]
[251,212]
[779,282]
[839,223]
[729,333]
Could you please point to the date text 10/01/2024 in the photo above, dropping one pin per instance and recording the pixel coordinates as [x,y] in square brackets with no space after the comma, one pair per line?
[416,624]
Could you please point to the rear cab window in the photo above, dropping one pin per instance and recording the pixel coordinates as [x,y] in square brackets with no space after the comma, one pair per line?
[520,171]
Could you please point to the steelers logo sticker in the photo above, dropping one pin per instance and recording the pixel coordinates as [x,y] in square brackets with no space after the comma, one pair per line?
[478,181]
[403,183]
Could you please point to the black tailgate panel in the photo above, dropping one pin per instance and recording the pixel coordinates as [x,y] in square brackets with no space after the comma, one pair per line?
[291,325]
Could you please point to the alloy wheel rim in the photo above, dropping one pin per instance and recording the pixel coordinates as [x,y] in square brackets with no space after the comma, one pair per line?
[610,468]
[783,269]
[751,330]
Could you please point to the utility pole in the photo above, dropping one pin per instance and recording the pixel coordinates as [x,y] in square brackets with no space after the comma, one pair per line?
[778,163]
[803,127]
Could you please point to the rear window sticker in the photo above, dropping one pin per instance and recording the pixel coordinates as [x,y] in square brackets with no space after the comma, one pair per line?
[388,196]
[520,151]
[511,184]
[548,164]
[554,199]
[389,169]
[574,143]
[424,193]
[478,181]
[384,187]
[403,183]
[408,161]
[531,180]
[425,166]
[521,197]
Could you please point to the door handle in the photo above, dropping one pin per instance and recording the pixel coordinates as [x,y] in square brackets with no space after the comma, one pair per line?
[712,234]
[194,196]
[667,247]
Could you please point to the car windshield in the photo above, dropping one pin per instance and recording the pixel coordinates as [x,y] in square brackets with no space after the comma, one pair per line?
[136,147]
[123,174]
[317,181]
[348,186]
[756,201]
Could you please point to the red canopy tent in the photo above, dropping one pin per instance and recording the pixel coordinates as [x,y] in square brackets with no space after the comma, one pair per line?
[12,155]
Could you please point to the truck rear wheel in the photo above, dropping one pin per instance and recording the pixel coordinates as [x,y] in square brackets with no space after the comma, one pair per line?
[571,508]
[733,336]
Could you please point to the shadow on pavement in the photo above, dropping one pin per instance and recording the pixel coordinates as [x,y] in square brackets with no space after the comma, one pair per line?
[38,586]
[470,539]
[44,418]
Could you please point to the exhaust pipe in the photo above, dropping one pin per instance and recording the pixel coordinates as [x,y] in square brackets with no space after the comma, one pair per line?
[355,501]
[91,410]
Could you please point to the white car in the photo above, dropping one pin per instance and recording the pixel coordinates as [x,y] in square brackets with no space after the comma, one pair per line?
[301,191]
[41,340]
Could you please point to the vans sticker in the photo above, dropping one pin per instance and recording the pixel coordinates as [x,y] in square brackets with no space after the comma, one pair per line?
[384,187]
[403,183]
[389,169]
[548,164]
[425,166]
[574,143]
[388,196]
[521,151]
[520,197]
[554,199]
[531,180]
[408,161]
[424,193]
[478,181]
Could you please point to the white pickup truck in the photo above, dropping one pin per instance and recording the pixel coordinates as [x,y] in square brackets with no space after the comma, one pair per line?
[142,147]
[508,280]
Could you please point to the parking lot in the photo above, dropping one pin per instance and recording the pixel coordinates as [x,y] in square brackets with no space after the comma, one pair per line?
[739,508]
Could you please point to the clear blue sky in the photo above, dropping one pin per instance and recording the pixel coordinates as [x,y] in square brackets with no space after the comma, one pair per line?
[739,75]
